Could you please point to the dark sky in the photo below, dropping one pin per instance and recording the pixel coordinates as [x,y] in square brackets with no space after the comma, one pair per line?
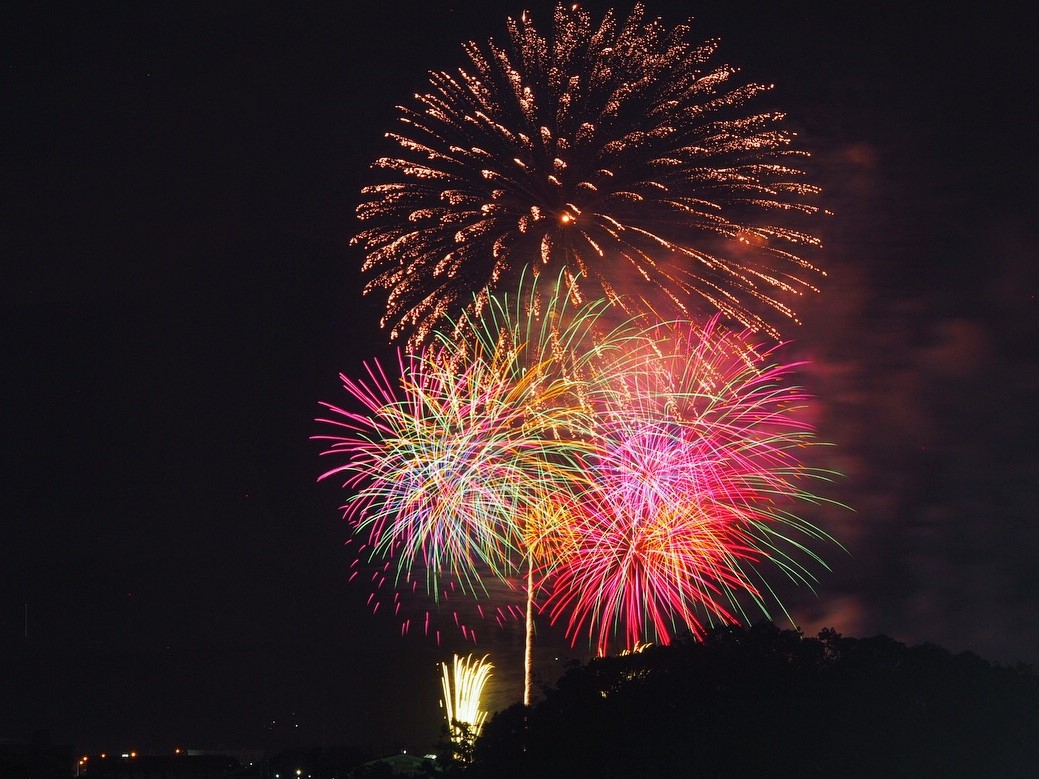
[178,294]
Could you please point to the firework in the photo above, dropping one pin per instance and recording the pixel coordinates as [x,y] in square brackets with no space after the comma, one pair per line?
[438,478]
[695,481]
[442,463]
[465,465]
[474,437]
[463,684]
[612,153]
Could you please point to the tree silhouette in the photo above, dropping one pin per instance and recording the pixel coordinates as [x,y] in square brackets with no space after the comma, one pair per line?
[761,701]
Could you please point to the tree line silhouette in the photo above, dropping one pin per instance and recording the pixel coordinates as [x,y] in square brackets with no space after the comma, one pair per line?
[766,702]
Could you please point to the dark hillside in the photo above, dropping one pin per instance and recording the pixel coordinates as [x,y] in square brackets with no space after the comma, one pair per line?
[765,702]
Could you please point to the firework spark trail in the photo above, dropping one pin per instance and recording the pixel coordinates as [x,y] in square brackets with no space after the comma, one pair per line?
[694,483]
[463,683]
[465,463]
[604,152]
[438,477]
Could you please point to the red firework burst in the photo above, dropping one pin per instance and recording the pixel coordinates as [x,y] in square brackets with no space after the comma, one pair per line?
[694,481]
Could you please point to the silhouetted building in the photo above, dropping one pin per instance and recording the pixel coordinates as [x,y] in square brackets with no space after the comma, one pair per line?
[401,764]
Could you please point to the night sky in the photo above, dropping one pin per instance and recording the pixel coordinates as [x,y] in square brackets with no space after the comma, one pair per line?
[178,294]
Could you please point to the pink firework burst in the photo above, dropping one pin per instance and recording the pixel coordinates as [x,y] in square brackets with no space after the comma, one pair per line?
[695,481]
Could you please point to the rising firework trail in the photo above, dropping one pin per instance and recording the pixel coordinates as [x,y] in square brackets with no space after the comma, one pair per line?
[696,480]
[618,153]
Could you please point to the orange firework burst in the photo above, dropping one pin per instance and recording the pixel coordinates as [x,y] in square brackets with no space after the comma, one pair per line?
[608,152]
